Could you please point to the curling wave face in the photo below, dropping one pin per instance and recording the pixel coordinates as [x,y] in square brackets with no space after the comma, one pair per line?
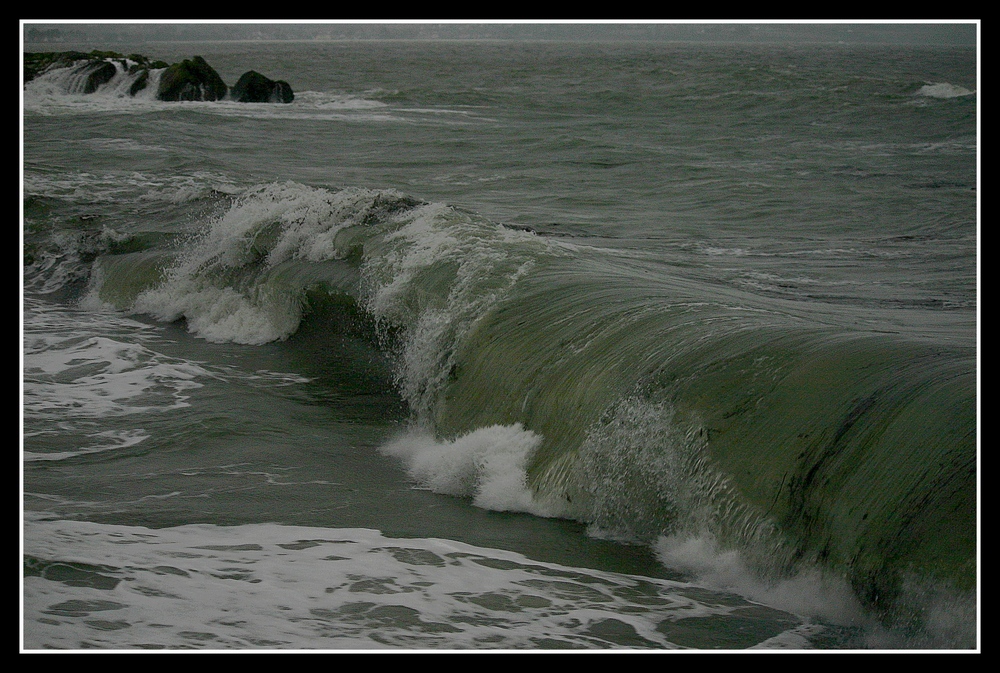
[609,386]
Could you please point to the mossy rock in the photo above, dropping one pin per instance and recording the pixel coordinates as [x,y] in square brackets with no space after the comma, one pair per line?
[191,80]
[37,63]
[252,87]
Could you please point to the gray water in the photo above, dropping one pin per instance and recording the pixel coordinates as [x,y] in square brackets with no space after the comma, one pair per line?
[277,322]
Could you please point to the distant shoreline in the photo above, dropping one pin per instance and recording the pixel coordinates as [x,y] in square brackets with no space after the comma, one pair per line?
[955,33]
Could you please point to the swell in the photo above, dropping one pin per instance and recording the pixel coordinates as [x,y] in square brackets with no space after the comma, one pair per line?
[657,403]
[859,447]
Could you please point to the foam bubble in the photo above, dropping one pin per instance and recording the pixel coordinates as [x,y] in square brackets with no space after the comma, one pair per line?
[489,465]
[91,585]
[221,286]
[810,592]
[99,376]
[434,275]
[109,440]
[944,90]
[221,314]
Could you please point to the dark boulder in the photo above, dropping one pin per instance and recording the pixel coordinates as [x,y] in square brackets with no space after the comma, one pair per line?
[91,70]
[97,74]
[139,67]
[140,83]
[253,87]
[191,80]
[37,63]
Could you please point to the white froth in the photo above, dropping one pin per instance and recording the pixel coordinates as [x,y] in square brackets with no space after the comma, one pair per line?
[202,587]
[100,376]
[88,188]
[435,275]
[221,314]
[944,90]
[810,593]
[108,440]
[269,225]
[74,381]
[488,465]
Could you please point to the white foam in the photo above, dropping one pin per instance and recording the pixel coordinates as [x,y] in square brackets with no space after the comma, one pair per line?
[89,188]
[113,439]
[322,100]
[221,314]
[809,593]
[268,587]
[488,465]
[100,376]
[60,91]
[84,367]
[944,90]
[435,275]
[269,225]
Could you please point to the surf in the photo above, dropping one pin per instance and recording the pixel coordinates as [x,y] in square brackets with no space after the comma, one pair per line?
[572,380]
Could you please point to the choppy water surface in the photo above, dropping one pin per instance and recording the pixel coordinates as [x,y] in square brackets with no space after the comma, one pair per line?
[493,345]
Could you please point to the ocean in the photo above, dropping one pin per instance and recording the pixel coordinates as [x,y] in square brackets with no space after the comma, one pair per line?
[498,345]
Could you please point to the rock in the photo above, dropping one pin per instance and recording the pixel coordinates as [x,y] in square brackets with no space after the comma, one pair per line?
[98,74]
[140,83]
[89,71]
[253,87]
[191,80]
[36,64]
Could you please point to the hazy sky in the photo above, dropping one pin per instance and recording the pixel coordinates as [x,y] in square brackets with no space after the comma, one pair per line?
[947,33]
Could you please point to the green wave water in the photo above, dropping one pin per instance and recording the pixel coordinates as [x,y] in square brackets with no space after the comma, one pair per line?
[664,404]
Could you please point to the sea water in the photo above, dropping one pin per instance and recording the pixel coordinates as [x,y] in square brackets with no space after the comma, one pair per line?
[505,345]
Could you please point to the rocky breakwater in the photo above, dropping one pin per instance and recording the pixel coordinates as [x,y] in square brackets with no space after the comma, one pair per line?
[190,80]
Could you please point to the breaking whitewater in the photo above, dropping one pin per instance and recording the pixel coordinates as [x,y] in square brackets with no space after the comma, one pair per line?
[506,346]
